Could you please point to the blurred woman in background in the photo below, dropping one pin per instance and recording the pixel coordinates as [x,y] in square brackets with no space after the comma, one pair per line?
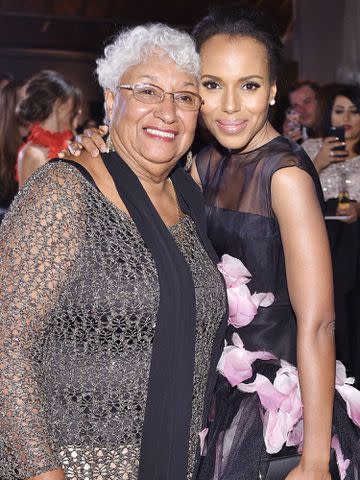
[335,167]
[51,105]
[339,172]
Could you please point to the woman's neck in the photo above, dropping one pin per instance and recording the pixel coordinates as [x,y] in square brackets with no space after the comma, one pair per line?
[51,124]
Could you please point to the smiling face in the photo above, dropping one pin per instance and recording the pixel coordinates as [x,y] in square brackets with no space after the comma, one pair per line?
[236,89]
[152,137]
[344,113]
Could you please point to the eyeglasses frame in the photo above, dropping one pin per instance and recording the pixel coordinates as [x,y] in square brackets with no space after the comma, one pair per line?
[131,87]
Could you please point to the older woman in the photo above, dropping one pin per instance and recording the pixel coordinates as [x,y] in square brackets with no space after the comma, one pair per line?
[110,299]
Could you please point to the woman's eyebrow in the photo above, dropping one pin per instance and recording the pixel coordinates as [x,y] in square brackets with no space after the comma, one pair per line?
[242,79]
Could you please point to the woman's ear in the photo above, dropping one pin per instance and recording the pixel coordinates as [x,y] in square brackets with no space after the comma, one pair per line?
[273,90]
[109,103]
[57,105]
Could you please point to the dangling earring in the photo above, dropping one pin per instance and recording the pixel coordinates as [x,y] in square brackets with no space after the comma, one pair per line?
[189,160]
[109,144]
[272,101]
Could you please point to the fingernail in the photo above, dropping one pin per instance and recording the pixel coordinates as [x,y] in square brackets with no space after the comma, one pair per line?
[94,153]
[103,149]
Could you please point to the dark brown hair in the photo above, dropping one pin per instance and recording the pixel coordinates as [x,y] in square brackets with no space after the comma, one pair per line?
[351,92]
[243,22]
[10,141]
[41,92]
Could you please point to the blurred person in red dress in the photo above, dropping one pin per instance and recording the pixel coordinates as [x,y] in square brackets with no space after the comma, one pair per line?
[51,105]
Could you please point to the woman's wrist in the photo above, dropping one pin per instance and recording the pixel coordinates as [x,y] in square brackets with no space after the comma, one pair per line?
[314,466]
[319,163]
[316,460]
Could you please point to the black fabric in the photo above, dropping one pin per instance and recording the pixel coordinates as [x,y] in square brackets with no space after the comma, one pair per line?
[165,436]
[281,465]
[345,251]
[241,223]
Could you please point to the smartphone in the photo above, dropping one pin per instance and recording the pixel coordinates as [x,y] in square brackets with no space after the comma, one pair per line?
[338,132]
[292,117]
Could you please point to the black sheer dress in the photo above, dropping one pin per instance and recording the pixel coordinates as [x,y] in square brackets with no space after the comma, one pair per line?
[241,223]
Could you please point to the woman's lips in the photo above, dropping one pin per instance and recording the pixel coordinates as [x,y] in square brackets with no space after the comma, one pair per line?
[347,127]
[231,127]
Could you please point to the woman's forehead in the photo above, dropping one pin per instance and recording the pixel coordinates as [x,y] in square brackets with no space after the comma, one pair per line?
[157,68]
[235,55]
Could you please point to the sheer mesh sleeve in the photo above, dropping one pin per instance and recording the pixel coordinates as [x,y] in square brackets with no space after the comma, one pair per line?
[39,241]
[241,181]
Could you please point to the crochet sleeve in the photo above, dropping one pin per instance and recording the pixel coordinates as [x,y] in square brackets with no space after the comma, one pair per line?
[39,241]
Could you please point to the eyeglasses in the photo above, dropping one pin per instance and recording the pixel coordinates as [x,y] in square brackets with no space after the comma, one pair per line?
[148,93]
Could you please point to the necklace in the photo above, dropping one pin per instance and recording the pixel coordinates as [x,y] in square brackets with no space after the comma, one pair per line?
[178,209]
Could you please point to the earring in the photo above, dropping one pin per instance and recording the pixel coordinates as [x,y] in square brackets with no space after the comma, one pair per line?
[189,160]
[109,144]
[272,101]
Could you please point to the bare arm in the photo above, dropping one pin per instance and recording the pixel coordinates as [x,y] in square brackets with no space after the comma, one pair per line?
[310,283]
[30,159]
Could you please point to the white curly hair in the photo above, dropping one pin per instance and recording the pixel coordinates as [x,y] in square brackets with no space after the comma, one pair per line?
[133,46]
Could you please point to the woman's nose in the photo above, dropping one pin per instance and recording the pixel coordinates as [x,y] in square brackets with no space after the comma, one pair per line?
[346,115]
[231,101]
[166,109]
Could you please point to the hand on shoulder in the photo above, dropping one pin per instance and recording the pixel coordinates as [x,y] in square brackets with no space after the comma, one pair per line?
[91,140]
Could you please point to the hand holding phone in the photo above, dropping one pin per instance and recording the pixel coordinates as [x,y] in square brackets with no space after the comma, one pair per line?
[292,127]
[338,132]
[333,149]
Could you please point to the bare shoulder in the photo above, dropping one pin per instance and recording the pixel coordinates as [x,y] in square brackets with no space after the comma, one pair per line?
[291,177]
[30,158]
[33,153]
[293,194]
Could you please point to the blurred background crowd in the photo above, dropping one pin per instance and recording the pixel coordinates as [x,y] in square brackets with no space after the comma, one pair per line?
[49,94]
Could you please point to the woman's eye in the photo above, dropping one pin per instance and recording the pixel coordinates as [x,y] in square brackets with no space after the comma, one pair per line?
[184,98]
[147,91]
[211,85]
[251,86]
[339,112]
